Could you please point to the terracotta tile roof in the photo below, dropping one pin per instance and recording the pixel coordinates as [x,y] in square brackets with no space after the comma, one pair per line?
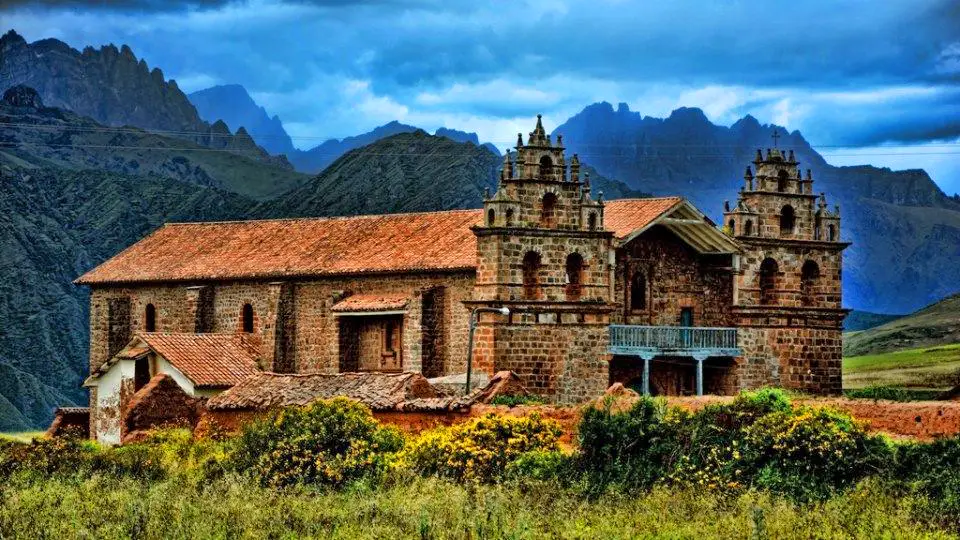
[372,302]
[623,216]
[208,360]
[379,391]
[268,249]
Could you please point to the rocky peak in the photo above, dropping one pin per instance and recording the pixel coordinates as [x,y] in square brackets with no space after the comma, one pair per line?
[22,96]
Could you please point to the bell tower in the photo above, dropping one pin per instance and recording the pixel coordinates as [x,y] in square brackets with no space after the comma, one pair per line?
[787,294]
[543,252]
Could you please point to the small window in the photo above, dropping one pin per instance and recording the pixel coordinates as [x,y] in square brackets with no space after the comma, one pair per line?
[547,210]
[809,275]
[531,278]
[247,319]
[638,292]
[733,226]
[817,232]
[546,167]
[831,233]
[150,319]
[748,228]
[592,221]
[491,217]
[782,181]
[509,217]
[768,282]
[574,276]
[787,220]
[388,337]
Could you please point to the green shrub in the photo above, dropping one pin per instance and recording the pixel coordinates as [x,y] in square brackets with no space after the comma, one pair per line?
[931,471]
[46,457]
[554,466]
[513,401]
[330,442]
[891,393]
[479,450]
[809,453]
[631,449]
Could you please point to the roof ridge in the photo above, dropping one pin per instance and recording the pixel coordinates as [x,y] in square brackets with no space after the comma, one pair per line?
[664,198]
[323,218]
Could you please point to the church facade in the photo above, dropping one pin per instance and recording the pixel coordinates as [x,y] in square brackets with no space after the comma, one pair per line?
[570,292]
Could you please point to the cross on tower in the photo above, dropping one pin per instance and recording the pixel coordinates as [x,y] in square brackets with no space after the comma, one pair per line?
[775,137]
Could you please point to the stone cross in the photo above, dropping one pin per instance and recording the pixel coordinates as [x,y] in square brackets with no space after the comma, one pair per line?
[775,136]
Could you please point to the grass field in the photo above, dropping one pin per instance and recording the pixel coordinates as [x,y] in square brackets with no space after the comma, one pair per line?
[935,368]
[21,436]
[102,507]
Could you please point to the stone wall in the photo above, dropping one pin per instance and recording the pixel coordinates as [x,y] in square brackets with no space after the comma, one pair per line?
[676,277]
[823,292]
[292,321]
[796,357]
[566,363]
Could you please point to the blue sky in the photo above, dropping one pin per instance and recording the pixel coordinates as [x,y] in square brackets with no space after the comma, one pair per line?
[865,81]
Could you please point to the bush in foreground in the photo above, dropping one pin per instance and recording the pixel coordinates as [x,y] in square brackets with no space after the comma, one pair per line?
[481,449]
[328,443]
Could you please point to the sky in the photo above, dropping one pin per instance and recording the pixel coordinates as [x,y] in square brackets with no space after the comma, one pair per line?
[864,81]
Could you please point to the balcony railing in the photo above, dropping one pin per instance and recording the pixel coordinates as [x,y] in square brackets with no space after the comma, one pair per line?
[694,341]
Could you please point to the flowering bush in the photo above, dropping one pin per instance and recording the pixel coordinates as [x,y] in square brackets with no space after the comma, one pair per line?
[481,449]
[330,442]
[810,453]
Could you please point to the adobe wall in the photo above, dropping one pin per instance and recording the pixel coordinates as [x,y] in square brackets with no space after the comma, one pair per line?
[676,277]
[923,420]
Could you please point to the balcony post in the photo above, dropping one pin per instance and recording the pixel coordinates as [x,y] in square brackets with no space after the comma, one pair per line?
[646,376]
[700,376]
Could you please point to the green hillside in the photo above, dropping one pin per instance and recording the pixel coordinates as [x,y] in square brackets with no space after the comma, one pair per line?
[936,324]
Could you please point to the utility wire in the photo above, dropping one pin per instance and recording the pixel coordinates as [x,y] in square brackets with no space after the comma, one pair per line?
[436,154]
[140,131]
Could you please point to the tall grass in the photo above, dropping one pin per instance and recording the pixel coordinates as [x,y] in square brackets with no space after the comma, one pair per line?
[231,507]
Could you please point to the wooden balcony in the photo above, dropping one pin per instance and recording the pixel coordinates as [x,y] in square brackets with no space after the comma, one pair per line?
[648,342]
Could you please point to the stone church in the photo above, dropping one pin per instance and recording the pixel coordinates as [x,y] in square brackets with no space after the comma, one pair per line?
[570,292]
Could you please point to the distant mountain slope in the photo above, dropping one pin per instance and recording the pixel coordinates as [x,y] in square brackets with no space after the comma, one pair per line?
[113,88]
[407,172]
[862,320]
[55,224]
[905,230]
[232,104]
[936,324]
[45,136]
[319,157]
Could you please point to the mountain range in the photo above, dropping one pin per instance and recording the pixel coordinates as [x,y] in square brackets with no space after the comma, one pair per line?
[80,184]
[905,230]
[233,105]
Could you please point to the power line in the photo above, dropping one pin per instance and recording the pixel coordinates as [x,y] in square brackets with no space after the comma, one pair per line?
[110,129]
[238,151]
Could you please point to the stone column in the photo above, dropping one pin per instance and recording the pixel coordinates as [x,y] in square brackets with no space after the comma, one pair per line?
[279,329]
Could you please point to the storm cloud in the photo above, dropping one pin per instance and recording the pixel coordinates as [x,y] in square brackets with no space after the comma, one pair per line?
[853,73]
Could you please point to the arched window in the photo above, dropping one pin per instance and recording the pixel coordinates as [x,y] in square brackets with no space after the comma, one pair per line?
[817,232]
[809,274]
[768,282]
[150,319]
[733,226]
[748,228]
[831,233]
[491,217]
[787,220]
[638,292]
[546,168]
[531,278]
[592,221]
[509,217]
[246,318]
[547,210]
[783,180]
[574,276]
